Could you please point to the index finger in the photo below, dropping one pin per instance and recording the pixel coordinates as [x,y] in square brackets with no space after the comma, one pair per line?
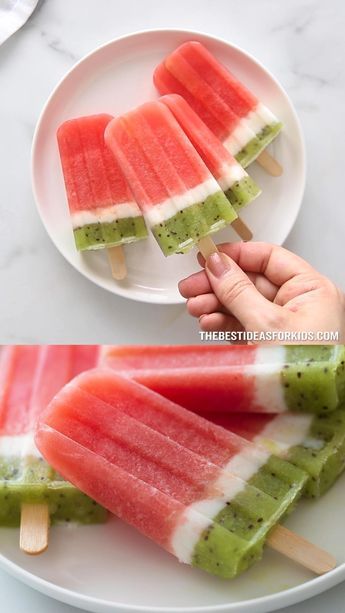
[277,264]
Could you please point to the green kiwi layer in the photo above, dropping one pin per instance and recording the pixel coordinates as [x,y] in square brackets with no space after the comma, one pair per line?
[256,145]
[182,231]
[242,192]
[236,538]
[314,377]
[322,455]
[118,232]
[34,481]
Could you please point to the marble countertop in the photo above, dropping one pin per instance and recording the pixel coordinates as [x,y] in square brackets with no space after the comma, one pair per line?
[301,42]
[43,299]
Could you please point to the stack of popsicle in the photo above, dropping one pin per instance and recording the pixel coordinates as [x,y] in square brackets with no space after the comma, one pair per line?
[31,491]
[237,185]
[206,495]
[180,198]
[239,120]
[287,399]
[170,165]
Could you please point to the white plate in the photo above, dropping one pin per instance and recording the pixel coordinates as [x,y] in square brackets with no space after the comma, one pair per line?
[118,76]
[114,568]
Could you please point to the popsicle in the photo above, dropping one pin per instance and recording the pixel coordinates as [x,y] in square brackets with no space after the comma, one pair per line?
[103,211]
[150,462]
[235,115]
[30,375]
[180,199]
[235,182]
[315,443]
[249,378]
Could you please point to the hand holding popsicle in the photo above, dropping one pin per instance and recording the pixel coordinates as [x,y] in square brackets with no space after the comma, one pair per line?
[262,287]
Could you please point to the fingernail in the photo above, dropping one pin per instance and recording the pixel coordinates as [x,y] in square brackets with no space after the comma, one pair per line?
[218,264]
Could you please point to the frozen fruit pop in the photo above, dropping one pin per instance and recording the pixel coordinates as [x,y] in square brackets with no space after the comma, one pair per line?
[249,378]
[233,113]
[150,462]
[102,208]
[237,185]
[181,201]
[315,443]
[30,375]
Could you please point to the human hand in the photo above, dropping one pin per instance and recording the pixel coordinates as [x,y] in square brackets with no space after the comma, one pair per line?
[261,287]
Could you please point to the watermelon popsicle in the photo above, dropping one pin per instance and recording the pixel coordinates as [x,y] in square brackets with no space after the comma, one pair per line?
[237,185]
[102,209]
[30,376]
[231,111]
[181,201]
[314,443]
[248,378]
[131,449]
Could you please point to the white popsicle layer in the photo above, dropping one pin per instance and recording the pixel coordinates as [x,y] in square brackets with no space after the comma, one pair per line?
[187,534]
[106,214]
[268,387]
[229,174]
[231,481]
[161,212]
[248,127]
[20,445]
[286,431]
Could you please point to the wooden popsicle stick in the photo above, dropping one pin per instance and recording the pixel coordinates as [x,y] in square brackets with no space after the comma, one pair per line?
[242,229]
[300,550]
[34,532]
[207,246]
[34,528]
[117,261]
[268,163]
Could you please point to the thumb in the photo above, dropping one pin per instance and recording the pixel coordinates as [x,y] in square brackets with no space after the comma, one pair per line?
[238,294]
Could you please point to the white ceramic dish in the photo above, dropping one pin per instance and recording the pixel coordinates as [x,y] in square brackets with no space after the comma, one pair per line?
[118,76]
[113,568]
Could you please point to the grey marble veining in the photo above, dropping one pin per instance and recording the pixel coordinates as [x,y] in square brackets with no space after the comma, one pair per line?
[301,41]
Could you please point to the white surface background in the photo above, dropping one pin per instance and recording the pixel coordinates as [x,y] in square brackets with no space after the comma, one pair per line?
[43,299]
[301,41]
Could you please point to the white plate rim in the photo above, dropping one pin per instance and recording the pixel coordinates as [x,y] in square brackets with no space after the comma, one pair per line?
[117,289]
[263,604]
